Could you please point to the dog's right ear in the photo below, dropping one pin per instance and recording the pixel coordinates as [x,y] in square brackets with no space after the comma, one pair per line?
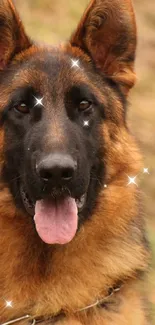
[13,38]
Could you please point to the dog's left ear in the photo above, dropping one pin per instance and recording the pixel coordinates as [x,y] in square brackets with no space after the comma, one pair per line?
[107,33]
[13,38]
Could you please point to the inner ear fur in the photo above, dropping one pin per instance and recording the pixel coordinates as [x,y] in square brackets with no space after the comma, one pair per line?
[107,33]
[13,38]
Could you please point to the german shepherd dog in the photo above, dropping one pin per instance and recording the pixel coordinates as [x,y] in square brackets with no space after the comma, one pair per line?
[73,248]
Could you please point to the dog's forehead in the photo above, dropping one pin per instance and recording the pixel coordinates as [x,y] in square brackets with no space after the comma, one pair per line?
[50,69]
[51,74]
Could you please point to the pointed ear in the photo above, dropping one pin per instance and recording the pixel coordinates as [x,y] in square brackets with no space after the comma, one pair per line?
[107,32]
[12,35]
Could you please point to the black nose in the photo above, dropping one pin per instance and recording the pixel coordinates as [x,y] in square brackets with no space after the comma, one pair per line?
[57,168]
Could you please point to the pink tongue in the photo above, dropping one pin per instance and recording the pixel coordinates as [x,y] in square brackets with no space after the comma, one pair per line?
[56,222]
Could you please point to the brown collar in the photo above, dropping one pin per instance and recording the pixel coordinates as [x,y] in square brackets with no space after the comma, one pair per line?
[53,319]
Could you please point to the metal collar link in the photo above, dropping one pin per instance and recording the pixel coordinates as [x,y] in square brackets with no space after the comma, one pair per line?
[98,303]
[19,320]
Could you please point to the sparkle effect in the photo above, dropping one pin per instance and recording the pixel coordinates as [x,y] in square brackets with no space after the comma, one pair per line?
[9,304]
[145,171]
[132,180]
[38,101]
[86,123]
[105,186]
[75,63]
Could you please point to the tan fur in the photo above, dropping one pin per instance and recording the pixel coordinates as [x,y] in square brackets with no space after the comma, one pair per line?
[42,280]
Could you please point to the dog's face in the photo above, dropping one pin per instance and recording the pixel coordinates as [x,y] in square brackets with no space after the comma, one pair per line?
[55,104]
[52,146]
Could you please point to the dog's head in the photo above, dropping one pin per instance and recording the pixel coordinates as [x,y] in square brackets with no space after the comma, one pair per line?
[62,109]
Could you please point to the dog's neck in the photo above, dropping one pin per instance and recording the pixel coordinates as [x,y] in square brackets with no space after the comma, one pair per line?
[31,271]
[99,303]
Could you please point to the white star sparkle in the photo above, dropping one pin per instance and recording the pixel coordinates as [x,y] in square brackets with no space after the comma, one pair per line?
[75,63]
[38,101]
[105,185]
[145,171]
[9,304]
[132,180]
[86,123]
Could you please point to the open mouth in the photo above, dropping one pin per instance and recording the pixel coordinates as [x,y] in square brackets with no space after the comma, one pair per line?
[56,220]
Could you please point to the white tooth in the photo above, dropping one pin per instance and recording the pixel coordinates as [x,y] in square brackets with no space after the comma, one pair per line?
[81,202]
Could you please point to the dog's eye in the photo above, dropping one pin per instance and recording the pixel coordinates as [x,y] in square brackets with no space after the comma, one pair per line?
[22,108]
[85,105]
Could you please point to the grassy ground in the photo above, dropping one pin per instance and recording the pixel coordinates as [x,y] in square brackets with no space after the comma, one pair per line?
[52,21]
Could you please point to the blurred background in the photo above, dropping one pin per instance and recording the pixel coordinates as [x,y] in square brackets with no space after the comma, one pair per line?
[53,21]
